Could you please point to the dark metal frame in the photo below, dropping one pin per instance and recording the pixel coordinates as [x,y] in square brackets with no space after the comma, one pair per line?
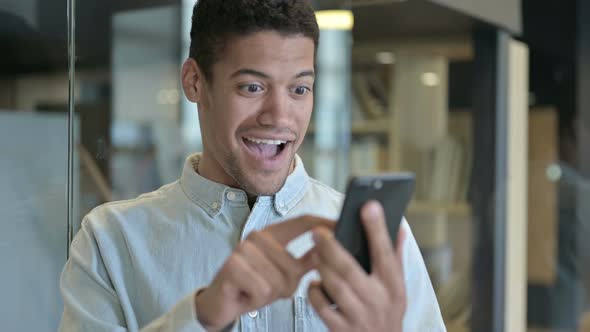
[488,180]
[71,119]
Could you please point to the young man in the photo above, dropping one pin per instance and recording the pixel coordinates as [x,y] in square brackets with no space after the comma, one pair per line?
[208,252]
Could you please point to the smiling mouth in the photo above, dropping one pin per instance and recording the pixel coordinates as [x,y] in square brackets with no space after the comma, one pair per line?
[265,149]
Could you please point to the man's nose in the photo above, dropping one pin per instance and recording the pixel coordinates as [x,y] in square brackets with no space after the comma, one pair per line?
[275,110]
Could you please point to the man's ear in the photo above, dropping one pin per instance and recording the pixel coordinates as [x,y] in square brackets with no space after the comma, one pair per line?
[193,81]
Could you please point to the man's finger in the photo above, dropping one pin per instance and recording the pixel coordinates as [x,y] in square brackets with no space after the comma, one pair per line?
[248,281]
[286,231]
[345,293]
[290,268]
[334,255]
[332,318]
[261,264]
[380,246]
[399,247]
[335,261]
[310,260]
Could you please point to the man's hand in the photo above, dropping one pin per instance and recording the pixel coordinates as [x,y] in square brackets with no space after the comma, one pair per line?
[259,271]
[365,302]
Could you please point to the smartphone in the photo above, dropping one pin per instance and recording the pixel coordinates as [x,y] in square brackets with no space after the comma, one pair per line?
[394,192]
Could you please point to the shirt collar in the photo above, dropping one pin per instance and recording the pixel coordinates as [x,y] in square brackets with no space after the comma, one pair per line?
[212,196]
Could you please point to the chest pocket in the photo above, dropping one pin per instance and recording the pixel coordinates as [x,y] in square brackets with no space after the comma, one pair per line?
[306,319]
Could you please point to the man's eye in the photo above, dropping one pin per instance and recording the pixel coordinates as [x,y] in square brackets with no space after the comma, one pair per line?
[301,90]
[253,88]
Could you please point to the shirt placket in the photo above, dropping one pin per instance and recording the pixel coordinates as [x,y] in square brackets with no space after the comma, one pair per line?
[256,320]
[256,220]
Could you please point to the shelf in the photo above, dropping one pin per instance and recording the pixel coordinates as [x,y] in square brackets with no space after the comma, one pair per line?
[366,127]
[379,126]
[459,209]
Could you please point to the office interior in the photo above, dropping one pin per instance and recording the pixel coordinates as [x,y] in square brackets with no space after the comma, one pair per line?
[487,103]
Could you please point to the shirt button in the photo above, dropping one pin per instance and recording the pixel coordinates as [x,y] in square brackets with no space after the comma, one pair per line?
[253,314]
[231,196]
[282,207]
[215,206]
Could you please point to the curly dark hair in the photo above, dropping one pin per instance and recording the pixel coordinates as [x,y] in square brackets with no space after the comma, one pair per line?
[216,22]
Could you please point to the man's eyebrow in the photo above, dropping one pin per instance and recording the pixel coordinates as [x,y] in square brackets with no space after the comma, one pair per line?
[309,73]
[247,71]
[253,72]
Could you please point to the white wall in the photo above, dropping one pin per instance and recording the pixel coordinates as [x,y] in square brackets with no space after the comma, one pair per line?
[33,243]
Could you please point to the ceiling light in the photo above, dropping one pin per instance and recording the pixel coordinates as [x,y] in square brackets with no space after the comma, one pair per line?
[385,58]
[335,19]
[362,3]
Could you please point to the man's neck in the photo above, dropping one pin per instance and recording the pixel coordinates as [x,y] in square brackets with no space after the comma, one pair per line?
[216,174]
[210,169]
[252,200]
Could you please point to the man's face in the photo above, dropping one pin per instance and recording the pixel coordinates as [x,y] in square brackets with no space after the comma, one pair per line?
[255,111]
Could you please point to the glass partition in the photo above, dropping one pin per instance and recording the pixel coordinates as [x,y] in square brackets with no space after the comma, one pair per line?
[130,101]
[33,162]
[558,270]
[408,114]
[398,92]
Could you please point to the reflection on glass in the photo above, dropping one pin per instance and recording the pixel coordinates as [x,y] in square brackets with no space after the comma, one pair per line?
[327,144]
[559,192]
[33,162]
[406,117]
[146,97]
[129,101]
[559,170]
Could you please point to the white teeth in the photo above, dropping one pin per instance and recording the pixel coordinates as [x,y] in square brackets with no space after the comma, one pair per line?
[265,141]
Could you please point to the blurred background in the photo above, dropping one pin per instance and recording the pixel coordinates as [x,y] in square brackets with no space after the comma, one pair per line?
[488,102]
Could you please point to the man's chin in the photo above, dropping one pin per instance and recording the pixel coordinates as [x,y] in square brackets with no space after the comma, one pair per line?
[264,186]
[264,190]
[262,182]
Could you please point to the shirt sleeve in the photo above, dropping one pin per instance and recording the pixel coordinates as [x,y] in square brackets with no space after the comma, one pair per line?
[422,313]
[92,304]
